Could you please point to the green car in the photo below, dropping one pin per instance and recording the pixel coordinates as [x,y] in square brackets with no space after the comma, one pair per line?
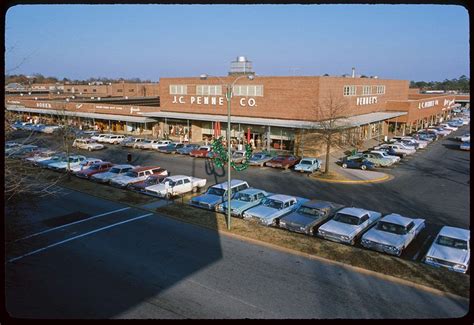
[242,201]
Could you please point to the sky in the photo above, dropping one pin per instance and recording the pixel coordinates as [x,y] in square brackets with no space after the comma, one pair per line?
[411,42]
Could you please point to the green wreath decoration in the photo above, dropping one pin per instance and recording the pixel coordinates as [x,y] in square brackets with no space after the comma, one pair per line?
[221,158]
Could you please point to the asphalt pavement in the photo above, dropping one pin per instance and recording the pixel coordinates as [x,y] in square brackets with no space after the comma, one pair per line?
[85,257]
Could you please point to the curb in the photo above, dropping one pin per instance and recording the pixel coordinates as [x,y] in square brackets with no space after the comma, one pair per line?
[348,181]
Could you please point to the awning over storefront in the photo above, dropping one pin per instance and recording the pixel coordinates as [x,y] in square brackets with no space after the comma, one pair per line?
[124,118]
[352,121]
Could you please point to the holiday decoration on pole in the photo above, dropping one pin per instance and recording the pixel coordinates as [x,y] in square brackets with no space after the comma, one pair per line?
[221,158]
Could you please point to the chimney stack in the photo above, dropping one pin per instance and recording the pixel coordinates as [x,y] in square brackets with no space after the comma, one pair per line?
[353,72]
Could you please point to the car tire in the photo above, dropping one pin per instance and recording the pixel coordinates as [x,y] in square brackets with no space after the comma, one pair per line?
[363,167]
[344,165]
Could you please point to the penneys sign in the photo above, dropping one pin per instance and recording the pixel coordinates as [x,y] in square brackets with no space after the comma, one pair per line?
[212,100]
[366,100]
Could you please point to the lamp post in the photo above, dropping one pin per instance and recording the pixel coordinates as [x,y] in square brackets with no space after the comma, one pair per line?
[228,96]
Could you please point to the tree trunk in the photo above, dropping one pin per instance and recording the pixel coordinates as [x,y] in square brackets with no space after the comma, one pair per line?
[328,149]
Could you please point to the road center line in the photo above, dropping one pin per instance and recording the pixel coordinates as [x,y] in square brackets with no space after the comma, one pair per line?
[76,237]
[73,223]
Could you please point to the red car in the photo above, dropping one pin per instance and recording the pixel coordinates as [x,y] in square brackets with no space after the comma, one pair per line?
[283,161]
[94,169]
[149,181]
[202,151]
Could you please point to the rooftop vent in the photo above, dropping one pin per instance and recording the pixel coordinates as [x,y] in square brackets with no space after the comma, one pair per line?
[241,66]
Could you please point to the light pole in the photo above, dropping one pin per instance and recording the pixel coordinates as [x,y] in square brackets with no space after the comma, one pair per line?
[228,96]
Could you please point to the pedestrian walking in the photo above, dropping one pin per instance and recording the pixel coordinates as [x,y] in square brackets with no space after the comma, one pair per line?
[129,157]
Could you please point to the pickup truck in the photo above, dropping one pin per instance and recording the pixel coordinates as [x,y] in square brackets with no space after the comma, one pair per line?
[175,185]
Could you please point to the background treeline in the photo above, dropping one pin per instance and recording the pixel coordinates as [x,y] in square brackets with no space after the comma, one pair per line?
[460,84]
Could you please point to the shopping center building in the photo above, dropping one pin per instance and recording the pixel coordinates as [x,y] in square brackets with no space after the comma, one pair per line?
[272,112]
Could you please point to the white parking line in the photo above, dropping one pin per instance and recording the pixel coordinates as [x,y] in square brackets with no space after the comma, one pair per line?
[422,246]
[76,237]
[72,223]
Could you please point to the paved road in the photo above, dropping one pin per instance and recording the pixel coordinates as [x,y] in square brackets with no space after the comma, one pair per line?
[122,262]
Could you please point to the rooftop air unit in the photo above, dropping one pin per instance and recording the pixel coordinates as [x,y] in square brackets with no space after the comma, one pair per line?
[241,66]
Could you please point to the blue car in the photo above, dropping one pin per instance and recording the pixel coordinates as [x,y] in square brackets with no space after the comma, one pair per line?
[357,163]
[187,148]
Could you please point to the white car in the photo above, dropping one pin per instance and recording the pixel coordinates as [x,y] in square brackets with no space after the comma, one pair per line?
[440,131]
[137,175]
[392,234]
[85,164]
[395,159]
[272,208]
[347,224]
[44,155]
[87,144]
[448,127]
[147,144]
[71,162]
[113,138]
[398,148]
[308,165]
[175,185]
[465,137]
[450,249]
[113,172]
[100,137]
[160,144]
[465,146]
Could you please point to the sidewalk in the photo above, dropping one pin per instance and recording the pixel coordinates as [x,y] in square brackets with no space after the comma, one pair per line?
[349,175]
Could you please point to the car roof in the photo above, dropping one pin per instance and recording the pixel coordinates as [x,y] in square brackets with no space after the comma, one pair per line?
[233,182]
[92,159]
[309,158]
[205,147]
[455,232]
[103,163]
[357,212]
[124,166]
[176,177]
[140,169]
[397,219]
[251,191]
[281,197]
[321,204]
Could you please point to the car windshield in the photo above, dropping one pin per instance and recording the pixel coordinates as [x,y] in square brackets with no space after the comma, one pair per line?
[216,191]
[391,227]
[152,180]
[346,218]
[94,167]
[273,204]
[311,212]
[306,162]
[115,170]
[169,181]
[257,157]
[279,158]
[131,174]
[147,141]
[452,242]
[244,197]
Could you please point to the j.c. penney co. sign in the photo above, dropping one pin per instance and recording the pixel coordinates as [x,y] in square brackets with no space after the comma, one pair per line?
[212,100]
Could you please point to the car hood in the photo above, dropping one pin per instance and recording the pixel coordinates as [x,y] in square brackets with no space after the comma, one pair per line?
[340,228]
[262,212]
[236,204]
[105,175]
[384,237]
[298,219]
[450,254]
[304,167]
[208,198]
[61,164]
[123,179]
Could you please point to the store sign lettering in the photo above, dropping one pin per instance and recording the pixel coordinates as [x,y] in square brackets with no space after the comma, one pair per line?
[108,107]
[133,109]
[206,100]
[43,105]
[427,104]
[366,100]
[448,102]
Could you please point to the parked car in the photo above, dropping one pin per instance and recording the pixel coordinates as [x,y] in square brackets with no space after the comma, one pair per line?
[441,131]
[160,144]
[428,137]
[238,156]
[187,148]
[309,216]
[49,129]
[149,181]
[450,249]
[131,142]
[202,151]
[410,141]
[348,224]
[465,146]
[53,159]
[40,156]
[100,137]
[377,159]
[171,148]
[273,208]
[136,175]
[384,154]
[217,194]
[242,201]
[113,172]
[175,185]
[87,144]
[85,164]
[464,137]
[308,165]
[361,163]
[113,139]
[283,161]
[259,159]
[433,134]
[22,151]
[398,148]
[147,144]
[447,126]
[73,160]
[392,234]
[100,167]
